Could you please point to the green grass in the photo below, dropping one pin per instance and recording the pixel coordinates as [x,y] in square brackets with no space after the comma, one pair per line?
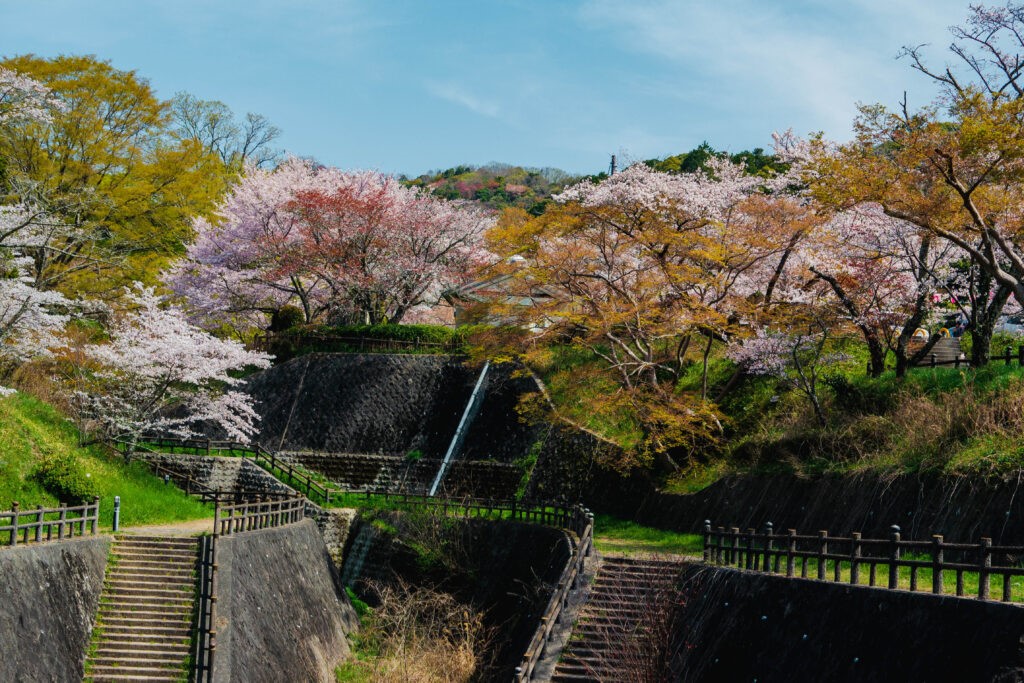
[612,534]
[924,578]
[30,430]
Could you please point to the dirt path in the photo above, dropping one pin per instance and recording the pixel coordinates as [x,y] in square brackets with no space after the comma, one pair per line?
[194,527]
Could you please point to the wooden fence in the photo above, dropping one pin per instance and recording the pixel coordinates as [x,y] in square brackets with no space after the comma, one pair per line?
[46,524]
[282,468]
[1007,358]
[582,524]
[533,512]
[205,630]
[888,563]
[259,514]
[349,344]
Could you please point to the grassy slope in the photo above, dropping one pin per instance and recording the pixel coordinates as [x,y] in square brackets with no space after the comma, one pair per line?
[30,430]
[620,536]
[957,421]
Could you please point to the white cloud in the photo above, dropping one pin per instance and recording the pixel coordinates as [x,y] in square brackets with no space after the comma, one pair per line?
[811,60]
[455,94]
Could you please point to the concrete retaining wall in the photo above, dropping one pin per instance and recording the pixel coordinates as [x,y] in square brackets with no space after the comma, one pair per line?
[281,613]
[362,403]
[49,594]
[738,626]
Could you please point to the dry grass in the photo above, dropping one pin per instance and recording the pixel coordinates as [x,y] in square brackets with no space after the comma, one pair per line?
[417,635]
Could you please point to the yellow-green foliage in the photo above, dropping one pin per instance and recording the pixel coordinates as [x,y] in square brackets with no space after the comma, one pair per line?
[32,432]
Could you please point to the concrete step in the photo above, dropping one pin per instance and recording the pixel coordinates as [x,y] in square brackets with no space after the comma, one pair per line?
[161,654]
[149,641]
[114,677]
[144,617]
[123,662]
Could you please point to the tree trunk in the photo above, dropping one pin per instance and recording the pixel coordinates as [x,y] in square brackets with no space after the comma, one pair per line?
[877,352]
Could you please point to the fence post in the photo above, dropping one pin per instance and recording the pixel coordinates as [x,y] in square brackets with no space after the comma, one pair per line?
[766,566]
[855,552]
[61,518]
[894,556]
[14,523]
[790,553]
[1020,355]
[117,512]
[1009,354]
[707,539]
[734,553]
[937,556]
[751,559]
[95,515]
[822,552]
[984,564]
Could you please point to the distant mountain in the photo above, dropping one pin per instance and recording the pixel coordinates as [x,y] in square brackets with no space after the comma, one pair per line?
[500,185]
[497,185]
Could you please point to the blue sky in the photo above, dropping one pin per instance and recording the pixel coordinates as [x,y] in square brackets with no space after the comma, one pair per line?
[405,86]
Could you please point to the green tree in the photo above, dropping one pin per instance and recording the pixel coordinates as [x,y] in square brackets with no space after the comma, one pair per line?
[108,166]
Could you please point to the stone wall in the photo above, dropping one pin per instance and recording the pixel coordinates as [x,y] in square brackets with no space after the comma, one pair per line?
[739,626]
[362,403]
[49,594]
[220,473]
[282,614]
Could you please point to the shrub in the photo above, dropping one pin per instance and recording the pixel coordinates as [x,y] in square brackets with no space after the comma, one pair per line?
[286,317]
[63,477]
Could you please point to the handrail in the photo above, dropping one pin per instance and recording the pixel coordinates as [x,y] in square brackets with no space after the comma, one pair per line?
[460,432]
[583,520]
[205,626]
[842,559]
[37,522]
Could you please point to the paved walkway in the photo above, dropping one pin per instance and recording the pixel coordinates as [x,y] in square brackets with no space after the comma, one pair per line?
[193,527]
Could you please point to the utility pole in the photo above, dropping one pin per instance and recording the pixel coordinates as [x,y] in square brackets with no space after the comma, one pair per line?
[612,168]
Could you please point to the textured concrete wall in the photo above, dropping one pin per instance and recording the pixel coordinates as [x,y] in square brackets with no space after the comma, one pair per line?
[49,594]
[362,403]
[738,626]
[281,613]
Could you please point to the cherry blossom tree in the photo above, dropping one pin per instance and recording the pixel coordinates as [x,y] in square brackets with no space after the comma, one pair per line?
[654,256]
[888,275]
[31,320]
[24,99]
[160,374]
[355,246]
[636,267]
[381,248]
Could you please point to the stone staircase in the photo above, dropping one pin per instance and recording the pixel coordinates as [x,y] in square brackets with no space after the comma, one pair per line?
[623,623]
[144,624]
[946,350]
